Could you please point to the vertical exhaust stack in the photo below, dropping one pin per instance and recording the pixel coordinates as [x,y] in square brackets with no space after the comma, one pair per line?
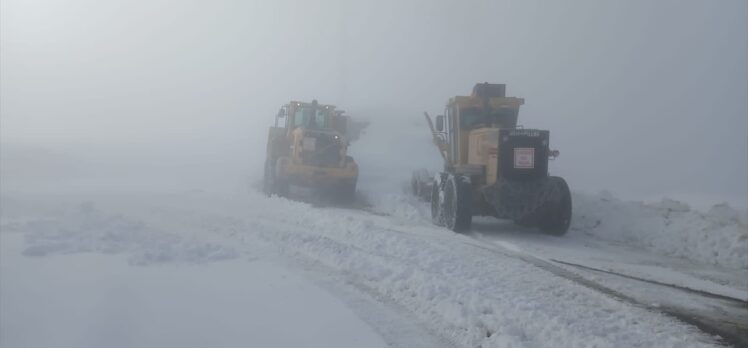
[487,90]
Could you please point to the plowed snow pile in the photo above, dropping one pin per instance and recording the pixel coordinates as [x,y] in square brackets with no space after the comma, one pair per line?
[719,236]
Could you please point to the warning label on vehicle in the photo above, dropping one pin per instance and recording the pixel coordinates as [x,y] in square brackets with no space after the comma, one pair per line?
[524,157]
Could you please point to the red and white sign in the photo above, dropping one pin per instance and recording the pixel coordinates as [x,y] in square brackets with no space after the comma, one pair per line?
[524,157]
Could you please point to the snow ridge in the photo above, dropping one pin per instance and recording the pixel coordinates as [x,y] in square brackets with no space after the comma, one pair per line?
[718,237]
[87,229]
[475,297]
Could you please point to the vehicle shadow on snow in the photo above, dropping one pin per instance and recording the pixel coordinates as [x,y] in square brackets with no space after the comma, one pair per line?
[491,227]
[359,202]
[321,199]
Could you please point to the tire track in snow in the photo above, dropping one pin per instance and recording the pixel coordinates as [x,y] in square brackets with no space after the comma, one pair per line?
[452,283]
[731,332]
[330,249]
[736,301]
[732,329]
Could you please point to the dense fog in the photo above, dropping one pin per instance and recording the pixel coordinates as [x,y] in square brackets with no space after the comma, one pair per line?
[643,98]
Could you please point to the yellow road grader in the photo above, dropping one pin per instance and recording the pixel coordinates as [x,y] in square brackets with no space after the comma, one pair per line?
[492,167]
[310,150]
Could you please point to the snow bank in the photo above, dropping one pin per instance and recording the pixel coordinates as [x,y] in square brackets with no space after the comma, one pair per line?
[669,227]
[719,236]
[87,229]
[449,283]
[472,296]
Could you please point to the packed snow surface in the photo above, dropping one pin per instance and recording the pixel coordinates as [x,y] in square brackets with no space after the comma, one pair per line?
[96,300]
[452,289]
[671,228]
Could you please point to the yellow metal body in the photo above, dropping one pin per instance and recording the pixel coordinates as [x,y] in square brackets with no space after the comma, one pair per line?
[292,166]
[483,151]
[460,103]
[305,175]
[475,149]
[297,146]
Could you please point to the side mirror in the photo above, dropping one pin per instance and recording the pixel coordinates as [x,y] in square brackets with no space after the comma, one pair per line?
[440,123]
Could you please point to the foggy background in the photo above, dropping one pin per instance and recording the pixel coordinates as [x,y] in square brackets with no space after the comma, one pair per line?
[643,98]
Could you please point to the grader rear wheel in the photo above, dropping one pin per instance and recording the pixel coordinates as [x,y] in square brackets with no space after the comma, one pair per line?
[268,180]
[436,214]
[556,212]
[415,185]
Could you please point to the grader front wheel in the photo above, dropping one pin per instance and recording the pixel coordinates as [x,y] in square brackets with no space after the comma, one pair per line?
[457,204]
[268,180]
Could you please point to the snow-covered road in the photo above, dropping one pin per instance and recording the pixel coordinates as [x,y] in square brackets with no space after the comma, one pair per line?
[406,281]
[91,300]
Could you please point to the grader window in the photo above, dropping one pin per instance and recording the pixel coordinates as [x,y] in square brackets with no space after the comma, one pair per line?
[472,118]
[310,118]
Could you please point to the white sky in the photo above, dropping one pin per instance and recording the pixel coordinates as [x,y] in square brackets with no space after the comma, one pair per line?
[645,98]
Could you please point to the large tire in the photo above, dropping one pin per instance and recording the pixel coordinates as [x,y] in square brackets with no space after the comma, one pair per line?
[555,217]
[436,205]
[527,221]
[457,204]
[280,183]
[420,184]
[415,185]
[281,187]
[268,179]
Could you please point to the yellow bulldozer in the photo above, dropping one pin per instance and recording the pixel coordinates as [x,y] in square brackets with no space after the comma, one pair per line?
[492,167]
[308,147]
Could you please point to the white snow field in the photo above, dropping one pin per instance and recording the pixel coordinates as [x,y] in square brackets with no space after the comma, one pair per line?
[202,269]
[92,300]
